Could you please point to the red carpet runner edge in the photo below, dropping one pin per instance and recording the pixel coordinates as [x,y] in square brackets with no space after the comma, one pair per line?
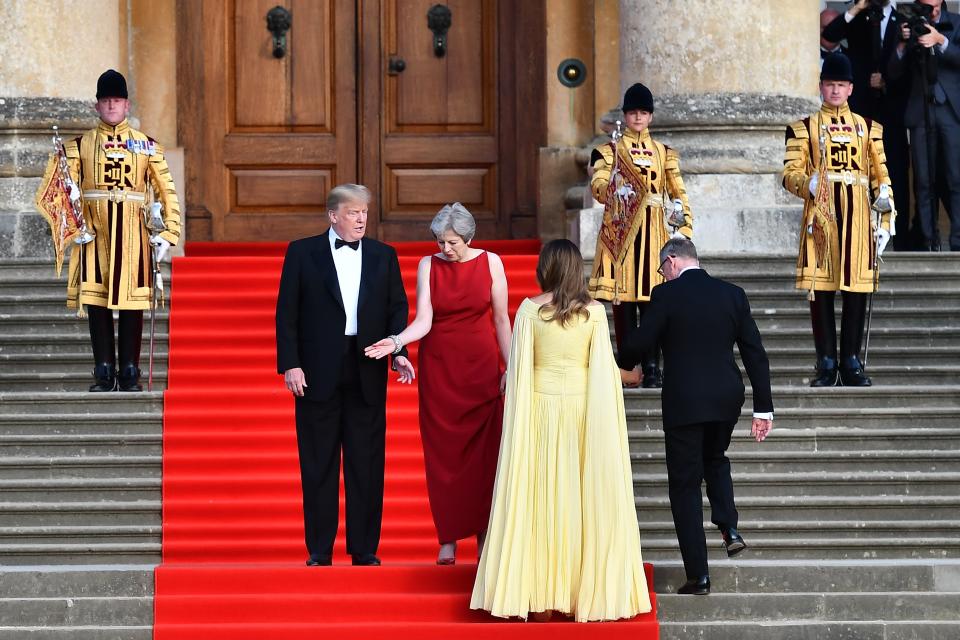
[233,551]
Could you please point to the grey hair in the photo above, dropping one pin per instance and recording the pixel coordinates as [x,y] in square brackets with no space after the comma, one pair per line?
[456,218]
[679,248]
[346,193]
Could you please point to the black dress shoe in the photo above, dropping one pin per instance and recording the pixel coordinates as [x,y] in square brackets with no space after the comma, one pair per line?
[319,561]
[827,373]
[733,542]
[696,586]
[366,560]
[105,376]
[852,375]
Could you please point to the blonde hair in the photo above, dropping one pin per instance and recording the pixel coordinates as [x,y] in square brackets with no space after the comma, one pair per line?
[560,271]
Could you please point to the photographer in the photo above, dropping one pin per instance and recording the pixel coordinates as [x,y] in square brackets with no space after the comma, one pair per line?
[872,31]
[929,56]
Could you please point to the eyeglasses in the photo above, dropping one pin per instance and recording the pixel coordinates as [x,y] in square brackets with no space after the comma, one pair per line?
[660,268]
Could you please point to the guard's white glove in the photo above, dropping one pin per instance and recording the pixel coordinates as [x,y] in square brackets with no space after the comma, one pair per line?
[883,237]
[162,247]
[882,204]
[73,189]
[814,181]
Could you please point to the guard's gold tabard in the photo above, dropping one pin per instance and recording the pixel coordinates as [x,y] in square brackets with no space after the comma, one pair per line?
[856,167]
[114,166]
[658,166]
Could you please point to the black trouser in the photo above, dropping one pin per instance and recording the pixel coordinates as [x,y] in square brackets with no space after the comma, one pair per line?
[946,141]
[697,453]
[129,330]
[626,318]
[343,422]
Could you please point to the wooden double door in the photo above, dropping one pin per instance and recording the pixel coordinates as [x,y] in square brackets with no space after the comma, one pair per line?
[361,94]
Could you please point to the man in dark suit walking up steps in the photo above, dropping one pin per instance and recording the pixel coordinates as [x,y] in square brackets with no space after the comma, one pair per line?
[697,319]
[339,292]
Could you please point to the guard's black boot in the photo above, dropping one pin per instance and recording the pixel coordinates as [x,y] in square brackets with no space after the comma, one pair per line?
[100,320]
[824,323]
[652,376]
[851,339]
[129,333]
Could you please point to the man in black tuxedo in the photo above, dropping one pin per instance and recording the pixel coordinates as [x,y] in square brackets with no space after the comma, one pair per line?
[941,49]
[338,292]
[872,31]
[697,319]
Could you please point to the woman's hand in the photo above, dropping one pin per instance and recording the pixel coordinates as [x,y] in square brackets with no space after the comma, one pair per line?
[379,349]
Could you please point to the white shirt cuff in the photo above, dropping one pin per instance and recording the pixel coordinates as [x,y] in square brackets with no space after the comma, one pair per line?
[763,415]
[847,16]
[946,43]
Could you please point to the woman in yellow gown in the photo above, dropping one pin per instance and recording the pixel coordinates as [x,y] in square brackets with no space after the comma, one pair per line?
[563,533]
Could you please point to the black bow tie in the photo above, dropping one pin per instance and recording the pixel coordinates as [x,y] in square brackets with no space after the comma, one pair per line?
[342,243]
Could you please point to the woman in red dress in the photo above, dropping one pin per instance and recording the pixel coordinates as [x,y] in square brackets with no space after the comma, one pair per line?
[462,318]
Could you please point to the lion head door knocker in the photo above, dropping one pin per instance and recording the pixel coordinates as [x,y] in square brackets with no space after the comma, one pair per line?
[279,21]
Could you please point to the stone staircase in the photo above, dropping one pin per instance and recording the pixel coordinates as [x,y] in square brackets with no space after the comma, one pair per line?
[79,473]
[851,507]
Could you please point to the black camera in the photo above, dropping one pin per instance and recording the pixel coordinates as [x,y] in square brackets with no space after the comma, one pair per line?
[874,10]
[917,16]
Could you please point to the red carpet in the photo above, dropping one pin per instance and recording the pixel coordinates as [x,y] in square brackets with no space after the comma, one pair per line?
[233,549]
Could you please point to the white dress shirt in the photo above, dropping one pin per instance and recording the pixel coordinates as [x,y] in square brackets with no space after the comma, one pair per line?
[348,263]
[763,415]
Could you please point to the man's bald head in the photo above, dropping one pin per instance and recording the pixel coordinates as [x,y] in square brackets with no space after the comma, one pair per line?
[826,17]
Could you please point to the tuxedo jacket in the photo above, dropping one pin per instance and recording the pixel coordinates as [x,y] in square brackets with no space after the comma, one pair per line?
[311,318]
[696,319]
[947,70]
[869,53]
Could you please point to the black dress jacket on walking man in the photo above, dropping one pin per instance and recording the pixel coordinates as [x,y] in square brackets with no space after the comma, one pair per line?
[344,402]
[696,319]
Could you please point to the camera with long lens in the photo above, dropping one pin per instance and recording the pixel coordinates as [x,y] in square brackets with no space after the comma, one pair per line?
[918,17]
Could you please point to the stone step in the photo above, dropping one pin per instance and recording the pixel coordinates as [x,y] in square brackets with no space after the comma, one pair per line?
[69,381]
[827,439]
[902,529]
[52,345]
[906,336]
[759,459]
[787,629]
[55,613]
[652,504]
[72,404]
[64,581]
[80,553]
[905,396]
[100,467]
[76,534]
[93,512]
[74,362]
[813,547]
[83,444]
[850,484]
[902,298]
[880,374]
[55,326]
[56,491]
[81,424]
[745,575]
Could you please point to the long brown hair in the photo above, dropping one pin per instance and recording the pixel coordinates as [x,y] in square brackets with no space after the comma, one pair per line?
[560,272]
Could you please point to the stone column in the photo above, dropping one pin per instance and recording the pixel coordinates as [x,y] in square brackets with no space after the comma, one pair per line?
[727,77]
[51,53]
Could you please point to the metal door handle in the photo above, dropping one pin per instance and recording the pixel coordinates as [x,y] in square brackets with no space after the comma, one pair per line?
[396,65]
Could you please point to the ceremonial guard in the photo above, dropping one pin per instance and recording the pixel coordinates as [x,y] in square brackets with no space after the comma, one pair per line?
[835,162]
[638,181]
[120,172]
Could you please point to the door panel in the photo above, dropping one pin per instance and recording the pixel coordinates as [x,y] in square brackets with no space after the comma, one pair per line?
[439,141]
[280,132]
